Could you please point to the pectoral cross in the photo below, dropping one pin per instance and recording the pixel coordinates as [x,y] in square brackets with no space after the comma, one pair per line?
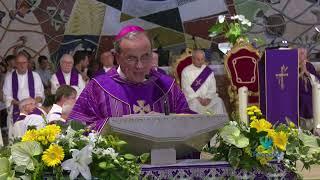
[283,73]
[141,108]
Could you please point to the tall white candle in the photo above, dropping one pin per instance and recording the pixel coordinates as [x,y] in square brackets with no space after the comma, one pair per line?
[243,103]
[316,103]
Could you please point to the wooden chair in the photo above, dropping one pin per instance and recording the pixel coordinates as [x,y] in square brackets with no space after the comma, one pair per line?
[241,64]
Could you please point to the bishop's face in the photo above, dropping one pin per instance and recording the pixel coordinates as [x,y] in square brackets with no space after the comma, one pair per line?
[135,58]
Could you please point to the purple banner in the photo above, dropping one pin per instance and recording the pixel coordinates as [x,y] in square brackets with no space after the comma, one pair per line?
[281,85]
[197,83]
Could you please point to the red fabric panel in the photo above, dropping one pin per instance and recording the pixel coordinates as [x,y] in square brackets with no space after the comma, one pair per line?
[244,65]
[182,64]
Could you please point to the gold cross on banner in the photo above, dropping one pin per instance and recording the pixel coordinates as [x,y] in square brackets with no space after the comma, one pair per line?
[283,73]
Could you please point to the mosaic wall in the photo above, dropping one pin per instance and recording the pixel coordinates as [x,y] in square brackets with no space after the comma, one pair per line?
[54,27]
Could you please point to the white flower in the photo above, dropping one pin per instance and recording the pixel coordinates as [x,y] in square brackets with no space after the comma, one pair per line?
[221,18]
[92,138]
[79,163]
[98,151]
[213,34]
[245,21]
[233,123]
[249,24]
[280,157]
[111,152]
[241,17]
[234,17]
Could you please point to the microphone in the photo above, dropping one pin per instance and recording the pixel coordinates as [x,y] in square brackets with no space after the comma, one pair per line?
[166,107]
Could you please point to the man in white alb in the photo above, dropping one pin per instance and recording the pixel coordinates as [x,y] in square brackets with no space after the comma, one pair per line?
[20,84]
[199,86]
[68,75]
[65,94]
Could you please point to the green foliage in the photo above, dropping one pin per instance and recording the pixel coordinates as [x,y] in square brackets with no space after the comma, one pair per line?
[254,145]
[105,156]
[232,135]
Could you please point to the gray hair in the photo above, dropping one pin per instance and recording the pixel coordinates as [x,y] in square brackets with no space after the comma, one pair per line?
[24,102]
[65,56]
[130,36]
[198,51]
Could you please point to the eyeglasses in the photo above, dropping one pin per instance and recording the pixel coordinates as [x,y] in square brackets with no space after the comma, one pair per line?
[144,59]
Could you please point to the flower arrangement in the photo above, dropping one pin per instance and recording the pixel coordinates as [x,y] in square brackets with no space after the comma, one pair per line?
[233,30]
[50,151]
[255,145]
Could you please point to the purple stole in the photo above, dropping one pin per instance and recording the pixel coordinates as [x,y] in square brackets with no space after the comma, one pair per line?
[21,117]
[15,87]
[149,91]
[73,79]
[36,111]
[197,83]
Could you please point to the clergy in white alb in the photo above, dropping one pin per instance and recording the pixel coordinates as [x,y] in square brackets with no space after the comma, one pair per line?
[68,75]
[30,115]
[20,84]
[199,86]
[64,94]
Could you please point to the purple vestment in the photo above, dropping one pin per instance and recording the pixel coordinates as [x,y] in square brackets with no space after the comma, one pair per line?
[305,93]
[109,95]
[15,88]
[21,117]
[197,83]
[73,77]
[161,71]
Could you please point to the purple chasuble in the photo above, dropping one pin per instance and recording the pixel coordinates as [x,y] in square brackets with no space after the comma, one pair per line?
[99,72]
[197,83]
[109,95]
[161,71]
[73,78]
[15,88]
[305,93]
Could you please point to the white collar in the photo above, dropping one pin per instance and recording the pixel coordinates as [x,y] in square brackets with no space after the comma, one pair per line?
[121,73]
[55,108]
[106,69]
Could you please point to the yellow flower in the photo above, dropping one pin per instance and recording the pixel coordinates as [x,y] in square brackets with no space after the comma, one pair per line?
[270,132]
[53,155]
[53,129]
[280,140]
[250,113]
[257,111]
[261,125]
[30,135]
[253,118]
[292,125]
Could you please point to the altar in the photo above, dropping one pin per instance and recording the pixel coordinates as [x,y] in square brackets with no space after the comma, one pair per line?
[204,169]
